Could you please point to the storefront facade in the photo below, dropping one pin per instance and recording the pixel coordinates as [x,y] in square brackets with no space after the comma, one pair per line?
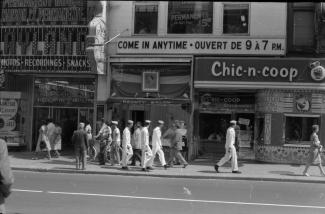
[274,100]
[44,61]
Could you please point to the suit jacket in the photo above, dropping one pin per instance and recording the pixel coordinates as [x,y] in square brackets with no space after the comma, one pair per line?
[79,139]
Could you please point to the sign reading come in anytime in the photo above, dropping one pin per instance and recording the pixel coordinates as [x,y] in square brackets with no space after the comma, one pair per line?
[225,46]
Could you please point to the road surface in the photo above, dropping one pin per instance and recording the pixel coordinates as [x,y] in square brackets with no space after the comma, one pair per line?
[47,193]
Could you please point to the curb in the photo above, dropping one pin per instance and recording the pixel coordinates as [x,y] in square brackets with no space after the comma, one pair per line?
[68,171]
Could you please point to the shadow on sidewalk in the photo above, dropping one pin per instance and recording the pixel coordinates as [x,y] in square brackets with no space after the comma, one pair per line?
[288,173]
[59,162]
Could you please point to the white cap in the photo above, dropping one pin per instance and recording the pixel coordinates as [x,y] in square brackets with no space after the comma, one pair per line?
[161,122]
[130,121]
[233,122]
[147,121]
[114,122]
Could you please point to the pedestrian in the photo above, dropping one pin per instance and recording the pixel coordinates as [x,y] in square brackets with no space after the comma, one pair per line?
[80,142]
[7,178]
[314,152]
[167,137]
[57,140]
[157,145]
[176,147]
[136,144]
[230,149]
[126,145]
[183,130]
[146,151]
[88,130]
[44,140]
[51,132]
[116,143]
[105,138]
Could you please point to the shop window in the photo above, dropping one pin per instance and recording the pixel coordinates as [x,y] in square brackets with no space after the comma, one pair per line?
[146,18]
[235,18]
[303,30]
[186,17]
[298,129]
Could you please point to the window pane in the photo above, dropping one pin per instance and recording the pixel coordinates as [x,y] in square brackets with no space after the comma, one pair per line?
[299,129]
[190,17]
[235,18]
[303,28]
[145,19]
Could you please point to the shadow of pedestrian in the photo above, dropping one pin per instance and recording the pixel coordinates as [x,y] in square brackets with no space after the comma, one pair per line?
[283,173]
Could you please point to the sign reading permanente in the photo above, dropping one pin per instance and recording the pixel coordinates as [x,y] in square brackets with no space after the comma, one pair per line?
[226,46]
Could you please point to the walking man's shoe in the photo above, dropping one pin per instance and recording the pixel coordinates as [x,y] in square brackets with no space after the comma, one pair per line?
[125,167]
[238,172]
[145,170]
[149,168]
[185,165]
[165,166]
[216,167]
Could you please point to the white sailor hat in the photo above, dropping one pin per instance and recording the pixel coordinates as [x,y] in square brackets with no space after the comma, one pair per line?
[233,122]
[130,121]
[161,122]
[147,121]
[114,122]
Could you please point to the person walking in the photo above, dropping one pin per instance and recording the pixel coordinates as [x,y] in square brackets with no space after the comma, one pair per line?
[116,143]
[51,132]
[43,138]
[176,147]
[146,151]
[136,144]
[230,149]
[57,140]
[80,142]
[126,145]
[105,138]
[157,145]
[7,178]
[314,152]
[88,131]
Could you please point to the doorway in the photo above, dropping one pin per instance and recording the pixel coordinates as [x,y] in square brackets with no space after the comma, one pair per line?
[137,116]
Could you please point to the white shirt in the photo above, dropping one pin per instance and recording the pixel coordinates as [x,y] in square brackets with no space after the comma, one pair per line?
[156,138]
[137,139]
[116,135]
[88,130]
[126,137]
[144,137]
[230,137]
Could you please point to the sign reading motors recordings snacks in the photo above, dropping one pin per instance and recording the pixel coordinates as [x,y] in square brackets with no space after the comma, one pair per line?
[225,46]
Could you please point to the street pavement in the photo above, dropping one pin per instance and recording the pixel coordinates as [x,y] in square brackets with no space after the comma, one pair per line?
[201,168]
[49,193]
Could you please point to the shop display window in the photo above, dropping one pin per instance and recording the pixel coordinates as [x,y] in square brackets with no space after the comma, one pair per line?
[187,17]
[145,18]
[235,18]
[298,129]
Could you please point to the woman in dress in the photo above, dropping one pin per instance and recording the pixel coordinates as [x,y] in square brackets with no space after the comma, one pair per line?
[42,137]
[314,152]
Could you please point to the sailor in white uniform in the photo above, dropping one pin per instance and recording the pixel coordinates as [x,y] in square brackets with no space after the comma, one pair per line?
[157,146]
[146,151]
[126,145]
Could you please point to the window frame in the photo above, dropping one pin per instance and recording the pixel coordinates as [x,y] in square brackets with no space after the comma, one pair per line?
[302,142]
[248,17]
[192,34]
[135,3]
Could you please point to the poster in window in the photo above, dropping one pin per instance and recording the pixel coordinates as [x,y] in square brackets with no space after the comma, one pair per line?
[150,81]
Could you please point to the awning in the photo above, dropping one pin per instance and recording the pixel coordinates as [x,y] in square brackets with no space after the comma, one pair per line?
[148,100]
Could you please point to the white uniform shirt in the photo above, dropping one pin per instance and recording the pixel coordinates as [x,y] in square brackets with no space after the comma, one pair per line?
[137,139]
[230,137]
[156,138]
[116,135]
[144,137]
[126,138]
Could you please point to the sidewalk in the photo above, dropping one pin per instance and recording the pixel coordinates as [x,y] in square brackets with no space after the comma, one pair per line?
[200,169]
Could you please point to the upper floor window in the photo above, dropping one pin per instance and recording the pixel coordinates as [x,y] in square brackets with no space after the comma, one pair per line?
[235,18]
[146,18]
[186,17]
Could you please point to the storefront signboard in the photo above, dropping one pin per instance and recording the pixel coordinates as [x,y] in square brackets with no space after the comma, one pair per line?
[43,64]
[259,72]
[224,46]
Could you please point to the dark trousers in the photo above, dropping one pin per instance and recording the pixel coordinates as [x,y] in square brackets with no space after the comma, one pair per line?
[81,158]
[175,153]
[102,156]
[136,156]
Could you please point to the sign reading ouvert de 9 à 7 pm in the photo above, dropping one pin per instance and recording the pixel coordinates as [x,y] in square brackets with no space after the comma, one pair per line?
[225,46]
[259,72]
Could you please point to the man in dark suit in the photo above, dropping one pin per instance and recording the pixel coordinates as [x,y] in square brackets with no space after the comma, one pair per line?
[80,142]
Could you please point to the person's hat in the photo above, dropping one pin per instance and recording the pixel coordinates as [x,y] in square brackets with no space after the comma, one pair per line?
[114,122]
[161,122]
[181,121]
[233,122]
[130,121]
[147,121]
